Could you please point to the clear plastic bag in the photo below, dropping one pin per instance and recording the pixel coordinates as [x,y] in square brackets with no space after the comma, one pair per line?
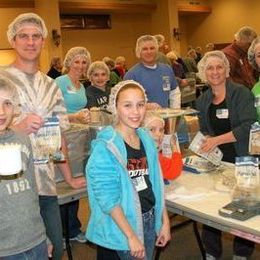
[47,142]
[247,175]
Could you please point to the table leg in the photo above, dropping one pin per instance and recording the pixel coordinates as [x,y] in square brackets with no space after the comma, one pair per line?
[66,231]
[198,238]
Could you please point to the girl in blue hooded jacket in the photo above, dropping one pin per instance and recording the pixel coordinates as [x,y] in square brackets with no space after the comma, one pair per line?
[128,216]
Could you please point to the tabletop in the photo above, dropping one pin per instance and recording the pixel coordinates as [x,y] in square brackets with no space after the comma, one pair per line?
[195,196]
[67,194]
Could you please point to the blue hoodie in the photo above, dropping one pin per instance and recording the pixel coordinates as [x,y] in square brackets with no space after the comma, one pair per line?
[109,185]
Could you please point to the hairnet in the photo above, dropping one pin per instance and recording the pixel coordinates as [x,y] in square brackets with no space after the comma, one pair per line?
[203,63]
[251,53]
[115,90]
[26,19]
[160,39]
[75,52]
[98,65]
[151,116]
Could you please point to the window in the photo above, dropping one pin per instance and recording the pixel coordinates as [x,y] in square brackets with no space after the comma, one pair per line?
[88,21]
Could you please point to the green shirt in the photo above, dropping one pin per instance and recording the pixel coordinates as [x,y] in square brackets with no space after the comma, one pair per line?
[256,92]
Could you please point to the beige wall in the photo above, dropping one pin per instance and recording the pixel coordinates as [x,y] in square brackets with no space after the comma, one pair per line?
[220,26]
[7,15]
[119,40]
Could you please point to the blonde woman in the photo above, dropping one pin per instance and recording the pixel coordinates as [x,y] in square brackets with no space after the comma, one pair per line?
[226,114]
[76,63]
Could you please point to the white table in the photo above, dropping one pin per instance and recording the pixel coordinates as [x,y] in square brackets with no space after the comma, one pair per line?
[205,205]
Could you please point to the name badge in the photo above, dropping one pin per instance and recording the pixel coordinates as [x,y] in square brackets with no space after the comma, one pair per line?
[71,90]
[257,101]
[222,113]
[166,83]
[140,183]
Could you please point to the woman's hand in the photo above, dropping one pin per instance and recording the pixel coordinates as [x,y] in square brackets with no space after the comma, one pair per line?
[137,249]
[83,116]
[209,144]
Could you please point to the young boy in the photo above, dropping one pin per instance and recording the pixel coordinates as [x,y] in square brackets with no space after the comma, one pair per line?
[97,94]
[22,232]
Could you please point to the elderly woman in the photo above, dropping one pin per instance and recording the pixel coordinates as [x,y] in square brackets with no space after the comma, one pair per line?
[254,59]
[76,63]
[226,114]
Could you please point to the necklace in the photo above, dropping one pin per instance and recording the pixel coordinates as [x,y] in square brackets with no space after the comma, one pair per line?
[75,83]
[132,140]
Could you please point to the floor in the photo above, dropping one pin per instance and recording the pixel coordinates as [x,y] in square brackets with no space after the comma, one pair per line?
[183,245]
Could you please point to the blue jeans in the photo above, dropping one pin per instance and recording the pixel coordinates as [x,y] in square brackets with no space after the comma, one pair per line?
[74,223]
[149,238]
[36,253]
[50,212]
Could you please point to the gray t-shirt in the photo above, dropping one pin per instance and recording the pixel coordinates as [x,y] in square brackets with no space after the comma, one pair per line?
[21,225]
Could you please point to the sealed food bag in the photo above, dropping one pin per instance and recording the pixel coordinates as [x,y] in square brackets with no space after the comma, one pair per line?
[214,156]
[246,189]
[254,139]
[48,142]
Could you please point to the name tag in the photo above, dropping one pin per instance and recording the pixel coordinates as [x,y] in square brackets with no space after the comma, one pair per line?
[140,183]
[166,83]
[222,113]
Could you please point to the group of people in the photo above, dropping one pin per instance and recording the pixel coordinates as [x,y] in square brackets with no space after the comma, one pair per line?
[126,168]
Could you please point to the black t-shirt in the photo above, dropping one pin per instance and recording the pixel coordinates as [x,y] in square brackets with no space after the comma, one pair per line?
[138,170]
[97,97]
[220,123]
[53,73]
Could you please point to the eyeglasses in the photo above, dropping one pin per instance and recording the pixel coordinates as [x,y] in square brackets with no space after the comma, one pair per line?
[26,37]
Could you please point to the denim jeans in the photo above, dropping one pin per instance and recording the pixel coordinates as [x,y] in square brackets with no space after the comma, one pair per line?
[50,212]
[74,223]
[149,238]
[36,253]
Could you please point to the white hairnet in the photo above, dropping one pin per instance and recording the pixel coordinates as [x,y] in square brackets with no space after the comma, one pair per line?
[73,53]
[115,90]
[151,116]
[23,20]
[98,65]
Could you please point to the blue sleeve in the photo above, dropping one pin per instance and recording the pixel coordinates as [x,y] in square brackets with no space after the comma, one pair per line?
[103,179]
[129,75]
